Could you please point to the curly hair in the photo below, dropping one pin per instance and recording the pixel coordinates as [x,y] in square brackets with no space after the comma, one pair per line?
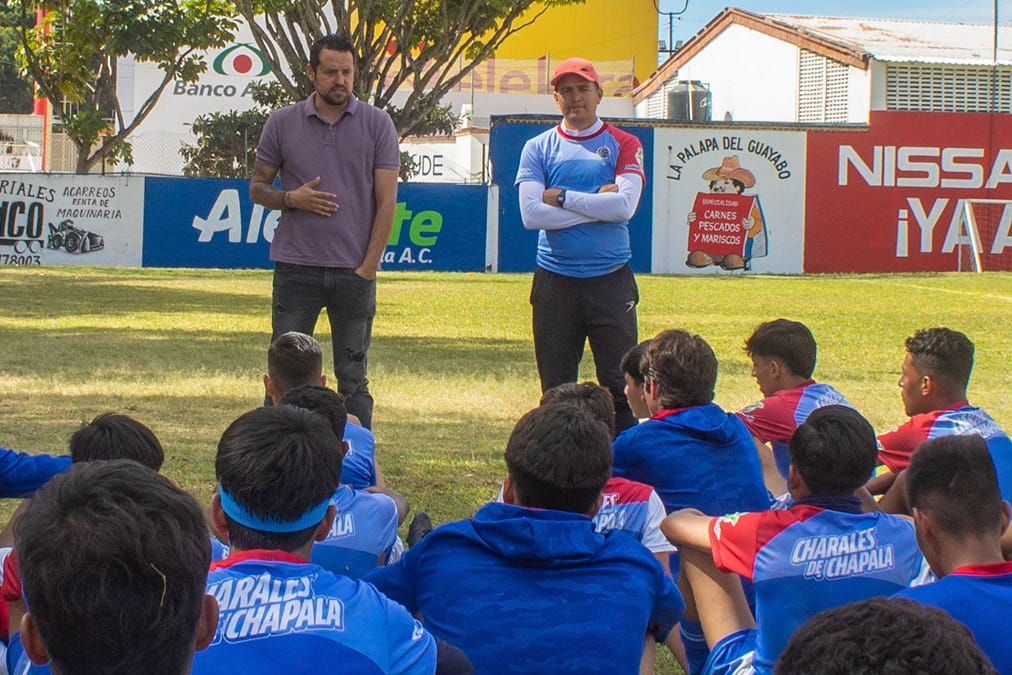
[883,636]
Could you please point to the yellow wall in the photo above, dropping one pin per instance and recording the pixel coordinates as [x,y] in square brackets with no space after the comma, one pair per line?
[599,30]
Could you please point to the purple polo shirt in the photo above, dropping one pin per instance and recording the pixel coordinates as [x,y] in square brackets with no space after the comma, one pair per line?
[344,155]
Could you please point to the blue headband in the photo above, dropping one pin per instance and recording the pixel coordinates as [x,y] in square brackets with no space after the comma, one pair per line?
[244,517]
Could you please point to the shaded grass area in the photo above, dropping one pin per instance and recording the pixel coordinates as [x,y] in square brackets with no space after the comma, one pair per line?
[452,366]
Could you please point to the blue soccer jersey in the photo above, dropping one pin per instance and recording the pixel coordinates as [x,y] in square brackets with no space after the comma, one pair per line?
[808,559]
[582,164]
[962,419]
[532,591]
[359,467]
[364,530]
[979,596]
[281,614]
[774,419]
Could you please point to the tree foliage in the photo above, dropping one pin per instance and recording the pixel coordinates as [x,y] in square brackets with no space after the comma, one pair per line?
[420,48]
[15,90]
[226,142]
[74,58]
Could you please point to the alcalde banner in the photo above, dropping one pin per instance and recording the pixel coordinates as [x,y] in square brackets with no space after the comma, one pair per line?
[890,199]
[192,222]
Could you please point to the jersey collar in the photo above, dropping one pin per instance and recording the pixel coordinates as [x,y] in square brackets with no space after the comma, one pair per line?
[593,131]
[259,554]
[990,570]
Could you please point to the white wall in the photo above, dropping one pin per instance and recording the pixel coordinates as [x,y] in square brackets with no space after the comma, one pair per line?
[751,75]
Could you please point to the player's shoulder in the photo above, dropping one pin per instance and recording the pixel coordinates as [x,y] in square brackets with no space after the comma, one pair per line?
[621,135]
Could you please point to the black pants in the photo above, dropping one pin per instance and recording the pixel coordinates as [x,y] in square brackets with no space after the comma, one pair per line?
[300,292]
[569,311]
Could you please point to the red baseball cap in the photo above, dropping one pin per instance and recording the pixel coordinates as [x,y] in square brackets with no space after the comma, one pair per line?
[576,66]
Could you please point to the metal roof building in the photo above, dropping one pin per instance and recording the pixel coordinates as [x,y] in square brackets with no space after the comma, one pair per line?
[785,68]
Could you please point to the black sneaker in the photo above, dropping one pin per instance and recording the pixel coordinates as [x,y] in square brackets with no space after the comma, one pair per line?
[420,526]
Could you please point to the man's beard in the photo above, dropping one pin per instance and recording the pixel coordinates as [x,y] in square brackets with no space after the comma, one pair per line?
[336,97]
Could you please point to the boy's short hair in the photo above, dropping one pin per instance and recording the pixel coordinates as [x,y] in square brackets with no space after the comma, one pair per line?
[559,457]
[834,450]
[322,401]
[113,436]
[789,342]
[294,359]
[277,464]
[883,635]
[944,354]
[113,560]
[683,367]
[630,364]
[954,480]
[589,396]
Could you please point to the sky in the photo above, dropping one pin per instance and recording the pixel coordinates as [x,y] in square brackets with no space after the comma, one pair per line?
[700,12]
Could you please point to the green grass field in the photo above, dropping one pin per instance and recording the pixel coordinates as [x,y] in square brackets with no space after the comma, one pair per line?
[452,366]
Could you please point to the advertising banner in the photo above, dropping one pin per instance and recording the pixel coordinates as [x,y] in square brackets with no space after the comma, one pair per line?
[191,222]
[70,220]
[728,200]
[891,198]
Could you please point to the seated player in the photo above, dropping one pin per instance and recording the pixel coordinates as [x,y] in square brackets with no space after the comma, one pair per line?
[296,359]
[783,360]
[820,553]
[693,453]
[933,382]
[365,527]
[108,436]
[115,564]
[879,636]
[626,506]
[960,518]
[528,586]
[634,392]
[277,472]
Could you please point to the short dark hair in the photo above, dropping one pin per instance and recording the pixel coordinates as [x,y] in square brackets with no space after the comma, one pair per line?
[683,367]
[944,354]
[589,396]
[630,364]
[834,450]
[337,43]
[559,457]
[277,462]
[322,401]
[953,478]
[883,635]
[789,342]
[113,560]
[113,436]
[294,359]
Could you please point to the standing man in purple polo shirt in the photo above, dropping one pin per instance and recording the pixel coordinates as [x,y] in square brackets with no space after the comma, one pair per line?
[339,160]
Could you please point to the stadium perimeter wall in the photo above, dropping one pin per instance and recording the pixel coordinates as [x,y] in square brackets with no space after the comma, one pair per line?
[879,198]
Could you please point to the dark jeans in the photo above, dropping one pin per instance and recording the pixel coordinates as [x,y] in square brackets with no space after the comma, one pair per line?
[301,291]
[569,311]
